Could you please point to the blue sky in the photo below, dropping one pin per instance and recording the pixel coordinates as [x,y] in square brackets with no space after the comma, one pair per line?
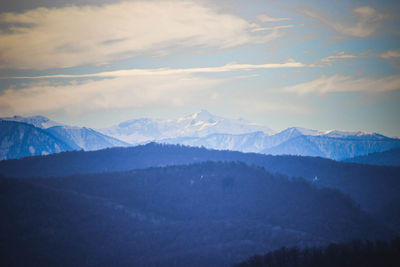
[319,64]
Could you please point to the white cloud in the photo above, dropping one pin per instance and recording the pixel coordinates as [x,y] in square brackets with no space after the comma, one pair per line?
[290,63]
[366,21]
[338,56]
[391,55]
[141,91]
[135,88]
[267,18]
[346,83]
[342,56]
[275,30]
[45,38]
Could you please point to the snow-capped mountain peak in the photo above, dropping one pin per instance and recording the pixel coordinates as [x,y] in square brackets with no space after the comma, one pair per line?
[198,129]
[304,131]
[36,135]
[37,121]
[199,124]
[330,133]
[203,115]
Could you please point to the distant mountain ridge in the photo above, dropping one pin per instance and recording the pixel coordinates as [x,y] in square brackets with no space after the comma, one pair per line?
[215,132]
[200,124]
[37,121]
[19,139]
[85,138]
[389,157]
[32,136]
[296,141]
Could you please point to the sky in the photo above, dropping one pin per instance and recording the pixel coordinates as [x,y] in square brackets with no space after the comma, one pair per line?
[314,64]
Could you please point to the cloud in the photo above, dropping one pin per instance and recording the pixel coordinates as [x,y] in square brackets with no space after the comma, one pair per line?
[346,83]
[141,91]
[366,21]
[134,88]
[267,18]
[340,55]
[71,36]
[290,63]
[391,55]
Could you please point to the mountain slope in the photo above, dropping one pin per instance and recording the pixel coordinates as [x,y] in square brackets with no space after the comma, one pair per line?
[247,142]
[251,142]
[357,253]
[37,121]
[84,138]
[214,132]
[208,214]
[373,187]
[390,157]
[295,141]
[301,145]
[337,148]
[20,140]
[73,138]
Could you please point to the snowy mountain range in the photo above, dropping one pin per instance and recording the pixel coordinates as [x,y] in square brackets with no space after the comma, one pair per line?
[214,132]
[37,121]
[38,135]
[296,141]
[200,124]
[200,129]
[18,139]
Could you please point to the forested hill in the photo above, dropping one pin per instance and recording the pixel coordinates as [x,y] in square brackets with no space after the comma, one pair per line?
[373,187]
[207,214]
[388,158]
[350,254]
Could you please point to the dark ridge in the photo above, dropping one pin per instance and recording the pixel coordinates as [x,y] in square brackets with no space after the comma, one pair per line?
[205,214]
[352,254]
[386,158]
[373,187]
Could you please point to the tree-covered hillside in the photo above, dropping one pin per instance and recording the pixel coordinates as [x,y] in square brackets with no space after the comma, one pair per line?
[373,187]
[386,158]
[351,254]
[208,214]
